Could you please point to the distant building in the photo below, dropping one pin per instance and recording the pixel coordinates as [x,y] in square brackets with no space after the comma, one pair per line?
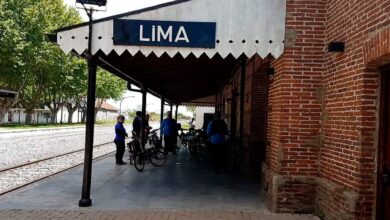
[202,116]
[7,93]
[107,112]
[42,116]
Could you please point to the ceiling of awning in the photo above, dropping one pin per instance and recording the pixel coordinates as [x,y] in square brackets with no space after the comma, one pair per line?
[209,101]
[179,79]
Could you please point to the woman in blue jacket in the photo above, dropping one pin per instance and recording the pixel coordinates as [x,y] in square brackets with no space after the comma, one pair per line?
[120,136]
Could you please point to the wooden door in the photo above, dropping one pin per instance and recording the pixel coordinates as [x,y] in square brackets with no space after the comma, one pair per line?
[384,149]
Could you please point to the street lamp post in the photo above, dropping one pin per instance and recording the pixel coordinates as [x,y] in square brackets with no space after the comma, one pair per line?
[120,104]
[85,200]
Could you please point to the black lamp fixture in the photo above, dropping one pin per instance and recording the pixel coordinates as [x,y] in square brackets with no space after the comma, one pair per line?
[99,3]
[270,71]
[336,47]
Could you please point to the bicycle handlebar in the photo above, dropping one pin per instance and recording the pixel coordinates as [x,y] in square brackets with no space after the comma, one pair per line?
[155,130]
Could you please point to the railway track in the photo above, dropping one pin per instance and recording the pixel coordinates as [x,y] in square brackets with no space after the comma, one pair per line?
[16,177]
[54,135]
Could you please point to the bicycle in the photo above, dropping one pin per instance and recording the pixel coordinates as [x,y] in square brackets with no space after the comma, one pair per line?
[155,155]
[196,142]
[134,148]
[154,139]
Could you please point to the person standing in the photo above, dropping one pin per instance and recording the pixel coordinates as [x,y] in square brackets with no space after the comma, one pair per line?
[169,130]
[147,118]
[192,123]
[216,131]
[147,127]
[137,124]
[120,136]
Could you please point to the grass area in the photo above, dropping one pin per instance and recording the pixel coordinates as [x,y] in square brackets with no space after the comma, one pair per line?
[22,126]
[19,126]
[100,123]
[112,122]
[185,126]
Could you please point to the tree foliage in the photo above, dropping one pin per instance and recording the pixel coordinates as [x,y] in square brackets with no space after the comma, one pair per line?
[108,86]
[191,109]
[36,68]
[28,62]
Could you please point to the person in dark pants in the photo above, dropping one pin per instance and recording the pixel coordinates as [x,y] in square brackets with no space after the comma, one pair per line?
[137,124]
[120,136]
[147,127]
[169,130]
[216,131]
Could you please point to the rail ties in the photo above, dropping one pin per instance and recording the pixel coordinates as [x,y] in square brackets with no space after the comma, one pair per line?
[16,177]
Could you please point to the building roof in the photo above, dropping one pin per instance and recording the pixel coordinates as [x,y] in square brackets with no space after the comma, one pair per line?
[7,93]
[246,27]
[108,107]
[243,28]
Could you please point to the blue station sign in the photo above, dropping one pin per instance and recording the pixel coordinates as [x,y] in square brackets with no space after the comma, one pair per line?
[164,33]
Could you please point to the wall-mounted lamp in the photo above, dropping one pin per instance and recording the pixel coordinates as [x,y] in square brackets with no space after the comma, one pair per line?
[270,71]
[336,47]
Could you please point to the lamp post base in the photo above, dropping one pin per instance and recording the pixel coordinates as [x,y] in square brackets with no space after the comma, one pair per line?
[85,202]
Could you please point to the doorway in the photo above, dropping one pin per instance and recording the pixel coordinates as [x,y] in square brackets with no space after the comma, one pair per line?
[383,211]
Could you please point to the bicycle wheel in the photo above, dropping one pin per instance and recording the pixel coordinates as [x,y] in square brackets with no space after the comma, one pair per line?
[131,157]
[131,153]
[158,158]
[139,162]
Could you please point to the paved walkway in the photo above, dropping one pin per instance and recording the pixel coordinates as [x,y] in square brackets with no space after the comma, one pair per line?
[182,189]
[145,215]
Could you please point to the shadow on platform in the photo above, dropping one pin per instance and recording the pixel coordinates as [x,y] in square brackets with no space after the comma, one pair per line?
[183,183]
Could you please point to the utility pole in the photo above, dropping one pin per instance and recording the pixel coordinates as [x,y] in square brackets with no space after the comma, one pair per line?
[86,200]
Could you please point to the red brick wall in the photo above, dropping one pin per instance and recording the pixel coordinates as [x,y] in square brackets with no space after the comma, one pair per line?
[350,107]
[295,102]
[323,109]
[322,112]
[249,155]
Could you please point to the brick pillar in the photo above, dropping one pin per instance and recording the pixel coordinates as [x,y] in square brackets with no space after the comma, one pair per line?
[295,106]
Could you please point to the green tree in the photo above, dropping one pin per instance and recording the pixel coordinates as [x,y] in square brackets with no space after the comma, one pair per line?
[191,109]
[76,88]
[26,57]
[12,53]
[65,86]
[181,116]
[108,86]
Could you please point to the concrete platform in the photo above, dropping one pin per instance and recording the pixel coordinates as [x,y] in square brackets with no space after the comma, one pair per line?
[182,184]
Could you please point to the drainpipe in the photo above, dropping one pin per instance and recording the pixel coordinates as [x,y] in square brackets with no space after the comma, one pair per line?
[242,98]
[177,110]
[162,114]
[143,134]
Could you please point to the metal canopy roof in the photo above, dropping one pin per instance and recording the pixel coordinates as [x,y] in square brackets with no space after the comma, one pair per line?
[242,27]
[179,79]
[181,74]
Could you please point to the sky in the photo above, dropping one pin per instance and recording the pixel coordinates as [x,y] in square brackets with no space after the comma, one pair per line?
[132,100]
[119,6]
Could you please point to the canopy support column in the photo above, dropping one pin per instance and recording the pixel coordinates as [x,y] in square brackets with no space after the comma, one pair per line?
[177,110]
[233,116]
[143,134]
[242,98]
[162,114]
[85,200]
